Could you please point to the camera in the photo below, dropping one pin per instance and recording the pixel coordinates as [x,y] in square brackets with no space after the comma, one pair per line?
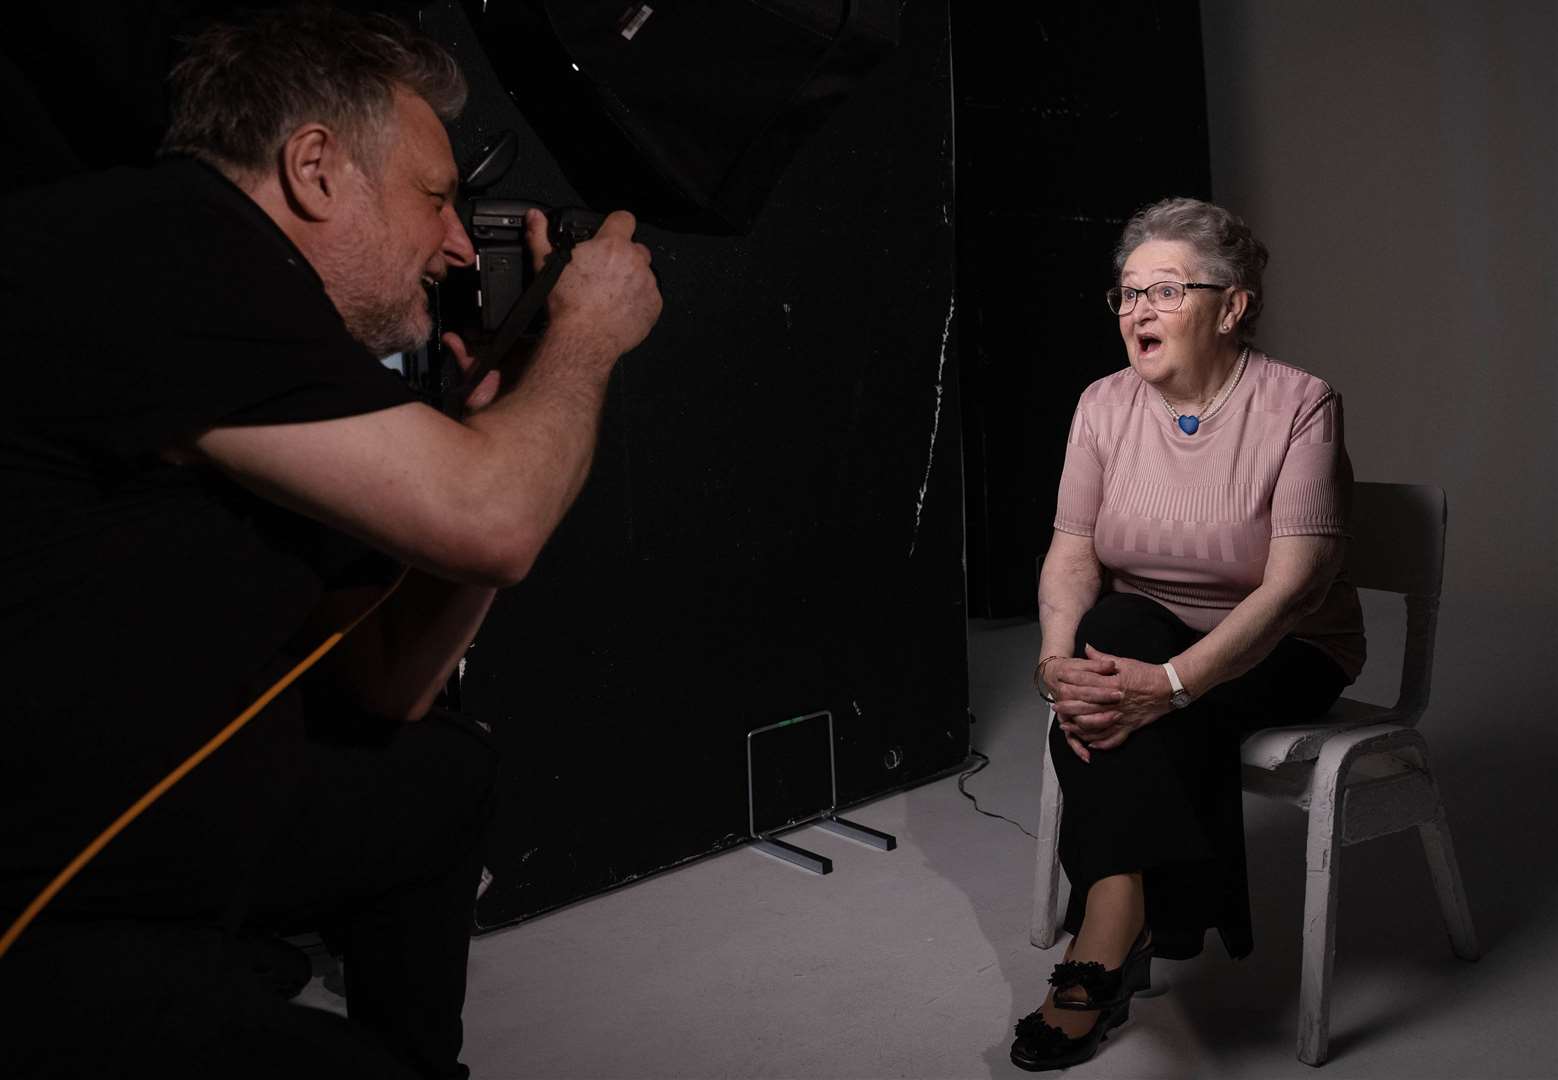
[503,261]
[504,270]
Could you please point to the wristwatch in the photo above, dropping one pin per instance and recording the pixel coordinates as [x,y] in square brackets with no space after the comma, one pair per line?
[1181,697]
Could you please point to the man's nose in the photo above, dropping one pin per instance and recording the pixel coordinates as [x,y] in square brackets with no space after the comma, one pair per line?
[458,249]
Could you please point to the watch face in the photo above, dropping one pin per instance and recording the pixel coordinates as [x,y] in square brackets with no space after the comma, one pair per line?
[1180,699]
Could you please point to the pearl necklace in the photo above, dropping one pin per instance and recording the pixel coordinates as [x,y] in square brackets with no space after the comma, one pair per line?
[1189,423]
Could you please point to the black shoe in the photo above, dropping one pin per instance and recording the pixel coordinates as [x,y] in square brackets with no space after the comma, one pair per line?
[1041,1046]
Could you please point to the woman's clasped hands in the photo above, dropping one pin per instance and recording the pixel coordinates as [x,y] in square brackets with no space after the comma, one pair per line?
[1101,699]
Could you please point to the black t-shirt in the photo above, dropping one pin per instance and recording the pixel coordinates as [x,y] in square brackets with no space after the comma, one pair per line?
[142,604]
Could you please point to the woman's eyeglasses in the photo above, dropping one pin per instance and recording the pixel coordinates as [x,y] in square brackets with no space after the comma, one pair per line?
[1161,295]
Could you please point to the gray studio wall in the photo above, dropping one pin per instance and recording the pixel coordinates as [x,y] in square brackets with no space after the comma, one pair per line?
[1399,160]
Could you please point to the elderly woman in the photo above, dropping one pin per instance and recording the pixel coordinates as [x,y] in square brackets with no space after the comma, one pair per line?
[1190,595]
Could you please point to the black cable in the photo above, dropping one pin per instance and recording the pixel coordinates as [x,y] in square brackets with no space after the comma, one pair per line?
[983,761]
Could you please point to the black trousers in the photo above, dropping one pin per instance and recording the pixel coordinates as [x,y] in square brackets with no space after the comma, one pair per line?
[380,847]
[1167,802]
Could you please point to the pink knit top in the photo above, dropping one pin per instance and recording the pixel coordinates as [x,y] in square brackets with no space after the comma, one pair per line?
[1188,519]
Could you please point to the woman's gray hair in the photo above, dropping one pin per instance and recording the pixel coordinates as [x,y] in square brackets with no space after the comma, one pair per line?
[244,87]
[1227,250]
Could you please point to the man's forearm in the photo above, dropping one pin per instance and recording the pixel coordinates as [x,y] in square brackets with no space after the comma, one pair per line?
[428,631]
[395,663]
[542,435]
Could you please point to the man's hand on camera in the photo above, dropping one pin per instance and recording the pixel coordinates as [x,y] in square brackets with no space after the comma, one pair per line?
[608,291]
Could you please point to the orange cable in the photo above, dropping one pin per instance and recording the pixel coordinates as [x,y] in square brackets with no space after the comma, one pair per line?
[157,790]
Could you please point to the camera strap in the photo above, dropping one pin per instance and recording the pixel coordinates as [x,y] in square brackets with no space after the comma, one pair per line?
[514,325]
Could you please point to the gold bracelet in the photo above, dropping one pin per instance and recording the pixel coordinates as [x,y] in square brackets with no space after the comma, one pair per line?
[1039,672]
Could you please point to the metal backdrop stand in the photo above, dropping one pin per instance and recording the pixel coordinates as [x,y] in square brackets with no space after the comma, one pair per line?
[769,843]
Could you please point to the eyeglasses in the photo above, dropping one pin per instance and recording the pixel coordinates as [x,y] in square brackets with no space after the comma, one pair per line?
[1161,295]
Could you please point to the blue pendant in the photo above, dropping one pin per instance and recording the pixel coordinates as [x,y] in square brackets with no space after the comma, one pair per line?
[1188,424]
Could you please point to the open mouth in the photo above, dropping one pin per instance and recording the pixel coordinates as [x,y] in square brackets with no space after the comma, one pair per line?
[1148,344]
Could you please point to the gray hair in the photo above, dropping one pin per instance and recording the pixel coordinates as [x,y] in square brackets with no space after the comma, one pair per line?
[1228,251]
[244,87]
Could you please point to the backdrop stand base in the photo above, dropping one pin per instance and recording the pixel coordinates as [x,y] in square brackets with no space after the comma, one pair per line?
[770,844]
[806,860]
[858,833]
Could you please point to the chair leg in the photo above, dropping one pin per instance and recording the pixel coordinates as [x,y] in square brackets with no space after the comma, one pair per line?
[1320,883]
[1046,869]
[1446,872]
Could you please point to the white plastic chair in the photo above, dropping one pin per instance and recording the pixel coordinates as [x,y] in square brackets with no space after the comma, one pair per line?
[1359,772]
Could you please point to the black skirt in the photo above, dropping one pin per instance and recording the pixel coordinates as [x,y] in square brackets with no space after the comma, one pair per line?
[1167,802]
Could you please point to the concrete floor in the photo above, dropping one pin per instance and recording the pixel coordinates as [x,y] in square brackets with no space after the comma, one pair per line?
[916,963]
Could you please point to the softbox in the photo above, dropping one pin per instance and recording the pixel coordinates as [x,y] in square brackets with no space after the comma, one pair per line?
[685,111]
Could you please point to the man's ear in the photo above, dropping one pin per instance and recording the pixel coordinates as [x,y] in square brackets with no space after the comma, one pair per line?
[313,167]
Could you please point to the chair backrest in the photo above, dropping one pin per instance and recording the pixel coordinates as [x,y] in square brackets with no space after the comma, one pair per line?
[1398,546]
[1397,538]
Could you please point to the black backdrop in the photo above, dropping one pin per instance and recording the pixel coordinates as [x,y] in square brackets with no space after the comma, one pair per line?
[1069,118]
[773,525]
[774,521]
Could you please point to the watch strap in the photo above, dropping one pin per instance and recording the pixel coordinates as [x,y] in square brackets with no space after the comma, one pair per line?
[1180,696]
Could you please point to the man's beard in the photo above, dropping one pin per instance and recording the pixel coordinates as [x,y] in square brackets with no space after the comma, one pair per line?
[382,311]
[385,325]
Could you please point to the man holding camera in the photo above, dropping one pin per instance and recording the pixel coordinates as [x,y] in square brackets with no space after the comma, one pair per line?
[208,471]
